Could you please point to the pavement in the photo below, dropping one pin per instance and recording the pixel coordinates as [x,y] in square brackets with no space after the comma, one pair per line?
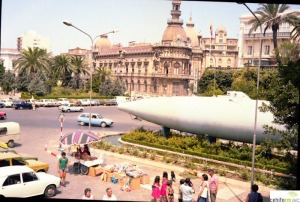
[230,190]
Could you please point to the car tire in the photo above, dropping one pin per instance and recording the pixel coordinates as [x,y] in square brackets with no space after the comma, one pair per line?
[50,191]
[81,110]
[21,107]
[82,123]
[11,144]
[41,171]
[103,124]
[68,110]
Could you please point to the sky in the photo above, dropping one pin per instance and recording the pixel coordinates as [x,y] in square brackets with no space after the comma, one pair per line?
[136,20]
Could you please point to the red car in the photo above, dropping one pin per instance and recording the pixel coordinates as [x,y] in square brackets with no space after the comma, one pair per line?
[2,115]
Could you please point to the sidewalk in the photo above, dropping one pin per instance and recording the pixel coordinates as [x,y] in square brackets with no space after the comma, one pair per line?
[229,189]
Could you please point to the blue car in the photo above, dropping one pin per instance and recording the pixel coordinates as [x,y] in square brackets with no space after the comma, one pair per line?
[96,120]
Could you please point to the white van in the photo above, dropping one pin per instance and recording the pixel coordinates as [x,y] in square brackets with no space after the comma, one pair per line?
[9,133]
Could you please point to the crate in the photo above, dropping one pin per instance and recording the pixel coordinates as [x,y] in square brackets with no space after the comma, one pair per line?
[145,179]
[135,183]
[95,171]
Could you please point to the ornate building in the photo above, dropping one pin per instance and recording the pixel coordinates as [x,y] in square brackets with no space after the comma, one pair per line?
[220,52]
[170,67]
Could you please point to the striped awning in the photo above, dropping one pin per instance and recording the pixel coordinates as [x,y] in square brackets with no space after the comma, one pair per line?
[79,137]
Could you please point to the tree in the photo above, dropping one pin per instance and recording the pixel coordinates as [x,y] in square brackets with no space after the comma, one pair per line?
[118,87]
[79,68]
[62,68]
[104,74]
[285,102]
[295,33]
[8,82]
[33,61]
[265,13]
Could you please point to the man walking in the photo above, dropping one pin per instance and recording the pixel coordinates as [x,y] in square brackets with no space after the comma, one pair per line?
[213,185]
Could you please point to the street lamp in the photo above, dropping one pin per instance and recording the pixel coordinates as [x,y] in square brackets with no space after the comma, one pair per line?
[91,78]
[257,84]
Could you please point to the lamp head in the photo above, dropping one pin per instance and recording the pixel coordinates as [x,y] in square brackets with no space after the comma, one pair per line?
[67,23]
[114,31]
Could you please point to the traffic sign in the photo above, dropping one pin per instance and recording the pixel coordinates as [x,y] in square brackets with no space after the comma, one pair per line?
[61,118]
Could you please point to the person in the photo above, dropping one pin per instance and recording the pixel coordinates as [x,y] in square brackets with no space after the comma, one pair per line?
[88,194]
[173,177]
[109,195]
[181,182]
[187,190]
[86,149]
[62,165]
[156,189]
[203,191]
[164,186]
[213,185]
[254,196]
[170,191]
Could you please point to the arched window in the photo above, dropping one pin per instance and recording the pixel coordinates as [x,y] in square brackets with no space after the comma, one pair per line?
[146,86]
[220,60]
[166,68]
[228,61]
[139,85]
[176,68]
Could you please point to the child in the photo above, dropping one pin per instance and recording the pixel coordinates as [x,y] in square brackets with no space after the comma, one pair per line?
[63,163]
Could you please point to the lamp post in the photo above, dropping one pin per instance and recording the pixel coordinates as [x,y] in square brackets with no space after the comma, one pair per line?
[257,85]
[91,76]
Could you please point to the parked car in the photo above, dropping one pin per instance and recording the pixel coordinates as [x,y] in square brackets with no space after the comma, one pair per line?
[23,182]
[9,133]
[4,149]
[63,101]
[109,102]
[96,120]
[95,102]
[21,104]
[3,115]
[12,159]
[53,103]
[71,108]
[7,102]
[84,102]
[2,105]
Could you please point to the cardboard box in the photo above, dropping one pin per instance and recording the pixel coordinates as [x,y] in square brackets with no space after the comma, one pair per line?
[135,183]
[108,176]
[122,181]
[145,179]
[95,171]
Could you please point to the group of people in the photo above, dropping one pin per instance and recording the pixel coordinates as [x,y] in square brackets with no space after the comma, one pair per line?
[162,190]
[109,196]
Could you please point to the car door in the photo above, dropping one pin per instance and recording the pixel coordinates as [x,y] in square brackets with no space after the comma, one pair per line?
[32,184]
[12,186]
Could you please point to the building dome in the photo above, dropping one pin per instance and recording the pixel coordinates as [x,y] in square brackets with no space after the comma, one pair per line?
[103,43]
[191,33]
[174,32]
[221,28]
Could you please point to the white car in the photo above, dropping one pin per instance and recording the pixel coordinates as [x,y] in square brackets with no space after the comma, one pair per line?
[7,102]
[71,108]
[23,182]
[96,120]
[84,102]
[62,101]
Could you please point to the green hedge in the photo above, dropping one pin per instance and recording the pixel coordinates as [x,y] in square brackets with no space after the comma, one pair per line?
[209,156]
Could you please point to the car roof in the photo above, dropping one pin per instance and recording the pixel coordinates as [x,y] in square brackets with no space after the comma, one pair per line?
[10,170]
[9,155]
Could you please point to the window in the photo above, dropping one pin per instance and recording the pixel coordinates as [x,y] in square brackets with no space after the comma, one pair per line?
[18,161]
[228,61]
[211,60]
[267,49]
[176,68]
[3,131]
[12,179]
[29,177]
[220,60]
[4,162]
[249,50]
[220,40]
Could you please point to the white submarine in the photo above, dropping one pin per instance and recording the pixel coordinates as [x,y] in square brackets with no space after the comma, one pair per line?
[229,117]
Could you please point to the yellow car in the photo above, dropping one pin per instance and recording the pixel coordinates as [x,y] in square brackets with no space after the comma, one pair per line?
[12,159]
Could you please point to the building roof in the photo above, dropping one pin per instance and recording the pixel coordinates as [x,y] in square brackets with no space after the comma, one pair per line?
[191,33]
[221,28]
[103,44]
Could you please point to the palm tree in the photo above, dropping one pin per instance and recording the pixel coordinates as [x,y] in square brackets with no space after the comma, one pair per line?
[62,67]
[33,61]
[296,31]
[104,74]
[79,68]
[267,12]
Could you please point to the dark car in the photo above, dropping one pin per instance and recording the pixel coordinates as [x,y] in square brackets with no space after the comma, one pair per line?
[22,105]
[2,105]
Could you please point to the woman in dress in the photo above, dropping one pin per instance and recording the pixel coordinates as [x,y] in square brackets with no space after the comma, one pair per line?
[156,189]
[170,191]
[164,186]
